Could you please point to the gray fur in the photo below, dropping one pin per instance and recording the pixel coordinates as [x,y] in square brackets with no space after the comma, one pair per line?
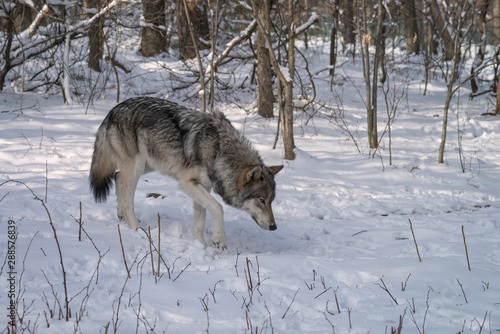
[200,150]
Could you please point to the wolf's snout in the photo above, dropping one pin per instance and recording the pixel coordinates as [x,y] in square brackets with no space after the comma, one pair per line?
[272,227]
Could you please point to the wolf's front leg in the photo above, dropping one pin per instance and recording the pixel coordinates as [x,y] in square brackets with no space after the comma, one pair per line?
[203,198]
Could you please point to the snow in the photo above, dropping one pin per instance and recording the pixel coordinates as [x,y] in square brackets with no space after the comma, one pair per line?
[342,260]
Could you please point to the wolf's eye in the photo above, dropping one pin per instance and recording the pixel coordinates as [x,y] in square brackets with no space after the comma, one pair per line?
[263,201]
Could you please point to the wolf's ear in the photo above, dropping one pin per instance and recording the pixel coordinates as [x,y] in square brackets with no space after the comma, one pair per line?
[253,173]
[273,170]
[249,174]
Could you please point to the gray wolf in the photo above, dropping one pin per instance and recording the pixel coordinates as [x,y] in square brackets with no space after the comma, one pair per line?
[202,151]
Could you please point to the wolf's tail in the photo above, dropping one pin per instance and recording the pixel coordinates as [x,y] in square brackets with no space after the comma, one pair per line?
[102,169]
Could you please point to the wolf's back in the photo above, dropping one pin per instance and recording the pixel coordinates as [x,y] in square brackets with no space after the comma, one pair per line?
[102,168]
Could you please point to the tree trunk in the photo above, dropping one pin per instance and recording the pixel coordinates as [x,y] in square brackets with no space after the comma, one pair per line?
[347,18]
[364,41]
[496,22]
[442,28]
[265,95]
[22,15]
[153,39]
[497,111]
[285,77]
[333,38]
[9,30]
[411,28]
[198,13]
[96,36]
[287,126]
[379,50]
[482,6]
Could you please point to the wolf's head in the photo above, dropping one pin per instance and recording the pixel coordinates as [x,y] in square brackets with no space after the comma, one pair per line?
[257,189]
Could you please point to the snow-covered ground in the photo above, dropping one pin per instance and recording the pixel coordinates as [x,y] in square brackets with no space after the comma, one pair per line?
[342,260]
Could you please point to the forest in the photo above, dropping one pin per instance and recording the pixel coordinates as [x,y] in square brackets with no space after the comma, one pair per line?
[77,49]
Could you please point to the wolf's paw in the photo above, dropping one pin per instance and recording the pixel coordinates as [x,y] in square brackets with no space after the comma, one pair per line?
[121,215]
[219,240]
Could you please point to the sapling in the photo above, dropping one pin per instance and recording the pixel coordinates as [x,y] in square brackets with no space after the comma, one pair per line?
[466,252]
[123,253]
[415,240]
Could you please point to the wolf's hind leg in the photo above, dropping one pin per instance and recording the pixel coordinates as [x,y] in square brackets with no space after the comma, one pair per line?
[200,214]
[119,192]
[129,176]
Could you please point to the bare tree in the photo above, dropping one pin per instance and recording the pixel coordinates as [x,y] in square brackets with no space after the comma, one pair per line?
[285,76]
[371,88]
[463,12]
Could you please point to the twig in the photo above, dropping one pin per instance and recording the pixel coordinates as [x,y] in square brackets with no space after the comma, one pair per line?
[159,245]
[384,287]
[213,292]
[79,221]
[293,299]
[466,252]
[412,304]
[337,300]
[462,288]
[170,270]
[236,264]
[484,320]
[400,326]
[187,265]
[359,233]
[415,240]
[324,291]
[403,285]
[204,305]
[46,174]
[249,280]
[328,320]
[151,251]
[123,252]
